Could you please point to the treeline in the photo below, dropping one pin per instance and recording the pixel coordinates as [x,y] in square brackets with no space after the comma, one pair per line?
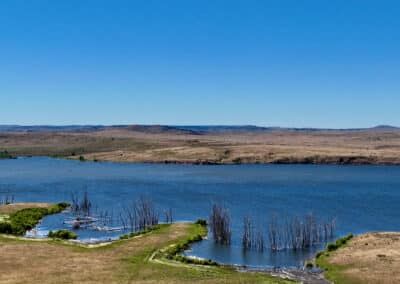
[276,233]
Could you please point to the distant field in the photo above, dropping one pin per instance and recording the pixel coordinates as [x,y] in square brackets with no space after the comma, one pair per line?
[227,146]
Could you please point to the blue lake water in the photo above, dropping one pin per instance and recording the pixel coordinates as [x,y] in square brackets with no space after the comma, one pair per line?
[361,198]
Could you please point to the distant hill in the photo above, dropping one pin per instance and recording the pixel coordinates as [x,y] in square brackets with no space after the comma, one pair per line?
[158,129]
[249,128]
[385,127]
[178,129]
[38,128]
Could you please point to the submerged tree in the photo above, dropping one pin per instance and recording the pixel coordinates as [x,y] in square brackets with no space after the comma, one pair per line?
[81,207]
[140,215]
[6,199]
[298,233]
[168,216]
[220,224]
[247,238]
[286,233]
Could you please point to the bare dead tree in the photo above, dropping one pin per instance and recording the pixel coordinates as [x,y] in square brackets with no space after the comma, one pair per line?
[220,224]
[247,238]
[123,220]
[6,199]
[168,216]
[273,232]
[140,215]
[298,233]
[259,241]
[147,214]
[81,207]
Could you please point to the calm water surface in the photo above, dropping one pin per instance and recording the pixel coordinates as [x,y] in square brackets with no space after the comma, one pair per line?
[362,198]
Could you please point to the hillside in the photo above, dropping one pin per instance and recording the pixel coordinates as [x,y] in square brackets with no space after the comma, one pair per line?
[206,144]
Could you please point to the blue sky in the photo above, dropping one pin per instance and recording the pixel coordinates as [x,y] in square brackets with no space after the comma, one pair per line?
[288,63]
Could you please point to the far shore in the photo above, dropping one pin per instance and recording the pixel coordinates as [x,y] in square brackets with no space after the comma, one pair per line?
[170,145]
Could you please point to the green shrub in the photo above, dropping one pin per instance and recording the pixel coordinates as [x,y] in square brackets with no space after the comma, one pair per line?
[82,158]
[62,234]
[331,247]
[134,234]
[26,219]
[319,254]
[201,222]
[342,241]
[58,208]
[173,252]
[5,228]
[309,265]
[5,155]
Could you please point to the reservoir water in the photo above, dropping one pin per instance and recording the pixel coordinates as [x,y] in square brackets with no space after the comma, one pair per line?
[361,198]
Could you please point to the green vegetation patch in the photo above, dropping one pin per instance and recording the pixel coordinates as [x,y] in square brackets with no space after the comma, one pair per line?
[138,233]
[26,219]
[63,234]
[5,155]
[333,272]
[339,243]
[174,252]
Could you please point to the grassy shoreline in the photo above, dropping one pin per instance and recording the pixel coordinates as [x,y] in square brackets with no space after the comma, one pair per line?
[24,219]
[123,261]
[367,258]
[151,255]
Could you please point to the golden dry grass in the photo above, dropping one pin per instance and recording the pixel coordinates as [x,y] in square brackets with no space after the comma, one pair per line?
[11,208]
[122,262]
[370,258]
[279,146]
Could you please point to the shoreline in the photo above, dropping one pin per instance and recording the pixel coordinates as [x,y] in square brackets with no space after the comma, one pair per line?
[347,162]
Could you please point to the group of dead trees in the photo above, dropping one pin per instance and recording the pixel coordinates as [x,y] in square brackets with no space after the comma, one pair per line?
[220,224]
[287,233]
[7,199]
[81,207]
[281,233]
[141,214]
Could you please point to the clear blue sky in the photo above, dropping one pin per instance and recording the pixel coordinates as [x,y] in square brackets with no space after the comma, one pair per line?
[296,63]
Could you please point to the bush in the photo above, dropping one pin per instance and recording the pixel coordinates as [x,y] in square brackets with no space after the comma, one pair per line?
[342,241]
[237,160]
[134,234]
[5,155]
[173,252]
[58,208]
[309,265]
[62,234]
[339,243]
[201,222]
[26,219]
[331,247]
[82,158]
[5,228]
